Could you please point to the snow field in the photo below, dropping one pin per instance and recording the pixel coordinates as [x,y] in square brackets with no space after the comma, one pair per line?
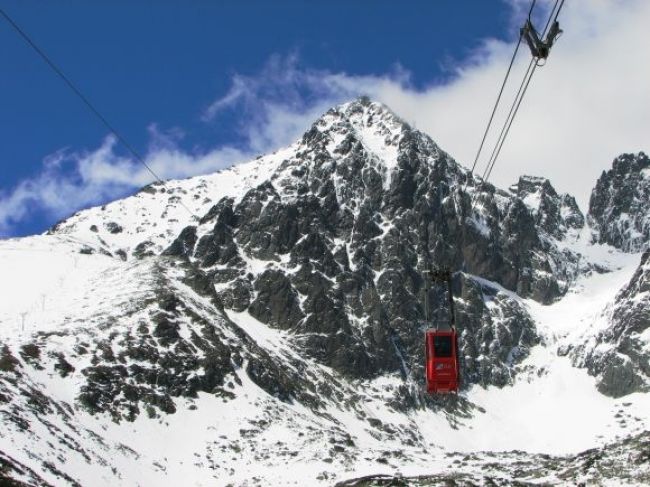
[552,407]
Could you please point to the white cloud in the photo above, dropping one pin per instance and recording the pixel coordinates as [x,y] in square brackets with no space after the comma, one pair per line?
[586,106]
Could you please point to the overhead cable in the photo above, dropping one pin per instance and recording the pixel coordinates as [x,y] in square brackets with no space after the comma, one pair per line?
[86,101]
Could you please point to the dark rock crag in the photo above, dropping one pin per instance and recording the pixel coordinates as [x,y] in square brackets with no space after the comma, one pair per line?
[618,207]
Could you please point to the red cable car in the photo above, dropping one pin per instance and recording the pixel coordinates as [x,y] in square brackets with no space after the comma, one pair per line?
[441,346]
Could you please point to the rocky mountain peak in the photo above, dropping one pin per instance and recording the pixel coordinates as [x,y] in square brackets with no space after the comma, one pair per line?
[364,116]
[532,184]
[618,207]
[554,213]
[362,185]
[367,130]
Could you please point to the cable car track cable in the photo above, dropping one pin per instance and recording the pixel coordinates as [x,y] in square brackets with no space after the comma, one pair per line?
[548,22]
[505,129]
[523,87]
[494,109]
[508,122]
[498,100]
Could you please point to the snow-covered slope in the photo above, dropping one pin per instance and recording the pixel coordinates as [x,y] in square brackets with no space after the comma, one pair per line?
[617,347]
[243,429]
[624,462]
[147,222]
[275,338]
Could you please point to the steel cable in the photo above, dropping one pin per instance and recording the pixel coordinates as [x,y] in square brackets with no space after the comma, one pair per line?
[523,87]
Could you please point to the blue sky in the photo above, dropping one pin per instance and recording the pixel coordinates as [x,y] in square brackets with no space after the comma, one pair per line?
[199,85]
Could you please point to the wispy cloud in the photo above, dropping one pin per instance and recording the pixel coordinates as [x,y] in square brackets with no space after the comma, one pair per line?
[277,104]
[587,105]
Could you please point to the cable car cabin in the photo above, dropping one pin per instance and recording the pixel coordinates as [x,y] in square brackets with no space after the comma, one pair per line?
[441,352]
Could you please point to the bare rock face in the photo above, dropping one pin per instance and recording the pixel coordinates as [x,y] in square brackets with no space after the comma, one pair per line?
[497,332]
[619,204]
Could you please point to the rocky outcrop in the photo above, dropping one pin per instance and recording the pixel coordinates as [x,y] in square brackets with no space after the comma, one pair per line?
[625,462]
[619,204]
[554,214]
[497,332]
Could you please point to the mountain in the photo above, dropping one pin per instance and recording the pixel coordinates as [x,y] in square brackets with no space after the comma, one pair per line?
[332,244]
[224,327]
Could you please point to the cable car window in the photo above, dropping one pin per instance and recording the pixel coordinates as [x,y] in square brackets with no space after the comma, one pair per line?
[442,346]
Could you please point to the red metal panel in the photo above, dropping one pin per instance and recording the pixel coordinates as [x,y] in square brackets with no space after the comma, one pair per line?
[442,373]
